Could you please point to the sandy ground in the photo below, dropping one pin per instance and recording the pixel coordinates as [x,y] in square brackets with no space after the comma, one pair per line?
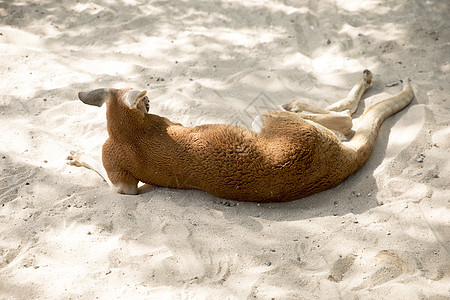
[382,234]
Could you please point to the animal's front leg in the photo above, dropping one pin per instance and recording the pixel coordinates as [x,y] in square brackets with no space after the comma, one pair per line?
[336,121]
[81,159]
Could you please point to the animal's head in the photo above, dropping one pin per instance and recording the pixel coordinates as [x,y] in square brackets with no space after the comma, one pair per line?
[127,99]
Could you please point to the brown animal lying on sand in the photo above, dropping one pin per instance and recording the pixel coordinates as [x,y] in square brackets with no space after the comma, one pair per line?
[294,155]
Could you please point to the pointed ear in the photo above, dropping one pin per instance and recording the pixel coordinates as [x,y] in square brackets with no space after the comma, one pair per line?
[95,97]
[133,97]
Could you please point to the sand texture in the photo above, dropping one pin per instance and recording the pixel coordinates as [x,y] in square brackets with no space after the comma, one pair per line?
[384,233]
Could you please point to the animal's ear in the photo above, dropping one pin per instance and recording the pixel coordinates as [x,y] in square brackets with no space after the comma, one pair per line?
[133,98]
[95,97]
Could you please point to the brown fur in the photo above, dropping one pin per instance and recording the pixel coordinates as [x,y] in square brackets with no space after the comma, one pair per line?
[289,159]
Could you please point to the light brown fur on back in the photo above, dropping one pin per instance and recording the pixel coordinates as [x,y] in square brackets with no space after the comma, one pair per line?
[285,161]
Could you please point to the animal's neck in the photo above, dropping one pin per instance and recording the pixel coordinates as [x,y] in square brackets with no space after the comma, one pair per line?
[123,124]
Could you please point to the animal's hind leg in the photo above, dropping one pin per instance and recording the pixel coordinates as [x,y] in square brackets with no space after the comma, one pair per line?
[336,117]
[363,141]
[350,103]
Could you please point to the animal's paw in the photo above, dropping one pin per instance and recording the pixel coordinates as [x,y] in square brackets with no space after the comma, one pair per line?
[74,159]
[406,81]
[347,112]
[367,75]
[294,106]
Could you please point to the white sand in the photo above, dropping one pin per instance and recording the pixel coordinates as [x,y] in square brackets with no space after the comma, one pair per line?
[65,234]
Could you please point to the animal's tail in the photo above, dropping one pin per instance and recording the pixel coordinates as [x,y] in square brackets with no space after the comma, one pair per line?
[363,141]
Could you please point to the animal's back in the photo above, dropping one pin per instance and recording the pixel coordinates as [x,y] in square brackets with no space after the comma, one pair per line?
[288,160]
